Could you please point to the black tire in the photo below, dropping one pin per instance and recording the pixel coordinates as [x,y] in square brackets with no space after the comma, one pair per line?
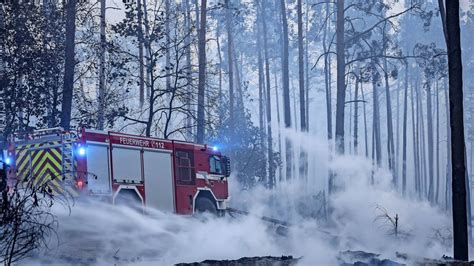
[205,205]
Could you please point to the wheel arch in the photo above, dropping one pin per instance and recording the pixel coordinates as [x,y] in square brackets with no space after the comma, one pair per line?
[130,190]
[205,193]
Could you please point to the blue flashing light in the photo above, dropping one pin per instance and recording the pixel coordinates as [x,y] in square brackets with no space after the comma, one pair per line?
[81,151]
[8,160]
[215,148]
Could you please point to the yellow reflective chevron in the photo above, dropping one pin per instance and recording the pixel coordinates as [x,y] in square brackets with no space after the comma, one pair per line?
[23,161]
[46,168]
[44,163]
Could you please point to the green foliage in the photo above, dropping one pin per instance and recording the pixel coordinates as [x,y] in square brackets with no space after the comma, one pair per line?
[33,51]
[242,145]
[241,141]
[431,60]
[27,222]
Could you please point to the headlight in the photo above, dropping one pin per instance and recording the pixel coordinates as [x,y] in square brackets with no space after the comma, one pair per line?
[81,151]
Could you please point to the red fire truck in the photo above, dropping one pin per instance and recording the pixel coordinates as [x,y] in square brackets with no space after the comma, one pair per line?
[168,175]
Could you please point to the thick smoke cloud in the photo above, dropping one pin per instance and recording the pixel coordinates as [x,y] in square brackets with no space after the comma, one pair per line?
[103,234]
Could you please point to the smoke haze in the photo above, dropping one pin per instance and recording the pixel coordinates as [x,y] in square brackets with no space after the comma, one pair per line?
[99,233]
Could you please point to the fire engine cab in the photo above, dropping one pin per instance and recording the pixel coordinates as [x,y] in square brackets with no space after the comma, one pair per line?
[168,175]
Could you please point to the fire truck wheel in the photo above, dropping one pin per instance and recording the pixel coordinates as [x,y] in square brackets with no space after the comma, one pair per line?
[205,205]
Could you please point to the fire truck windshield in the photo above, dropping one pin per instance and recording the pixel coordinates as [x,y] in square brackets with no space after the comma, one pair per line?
[215,165]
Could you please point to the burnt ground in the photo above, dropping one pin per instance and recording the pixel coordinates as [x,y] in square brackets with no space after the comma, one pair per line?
[247,261]
[345,258]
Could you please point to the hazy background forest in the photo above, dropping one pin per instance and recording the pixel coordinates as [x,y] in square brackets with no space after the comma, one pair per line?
[136,69]
[256,78]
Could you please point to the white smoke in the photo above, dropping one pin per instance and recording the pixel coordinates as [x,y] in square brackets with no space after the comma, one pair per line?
[99,233]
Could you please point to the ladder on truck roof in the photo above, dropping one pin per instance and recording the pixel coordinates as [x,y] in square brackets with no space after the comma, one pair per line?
[43,135]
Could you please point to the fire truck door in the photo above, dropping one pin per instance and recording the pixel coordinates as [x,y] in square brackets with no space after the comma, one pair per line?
[98,168]
[159,190]
[127,165]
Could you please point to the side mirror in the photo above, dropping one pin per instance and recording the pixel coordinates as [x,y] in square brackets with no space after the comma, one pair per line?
[225,165]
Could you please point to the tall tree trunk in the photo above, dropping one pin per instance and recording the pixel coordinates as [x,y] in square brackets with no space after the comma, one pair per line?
[468,200]
[150,65]
[414,117]
[230,60]
[197,21]
[390,142]
[418,142]
[306,59]
[442,13]
[421,123]
[327,75]
[295,118]
[341,86]
[351,100]
[69,64]
[286,89]
[458,147]
[101,109]
[420,139]
[189,80]
[350,115]
[397,131]
[285,67]
[277,99]
[261,83]
[303,158]
[372,181]
[376,124]
[365,122]
[220,93]
[198,18]
[404,148]
[295,104]
[356,117]
[140,54]
[301,66]
[437,144]
[448,187]
[261,87]
[271,170]
[167,38]
[328,83]
[202,73]
[431,192]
